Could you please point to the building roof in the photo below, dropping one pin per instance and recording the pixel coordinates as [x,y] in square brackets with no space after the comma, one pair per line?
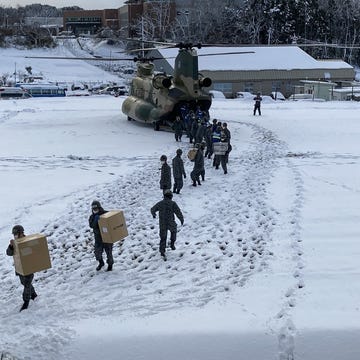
[316,82]
[262,58]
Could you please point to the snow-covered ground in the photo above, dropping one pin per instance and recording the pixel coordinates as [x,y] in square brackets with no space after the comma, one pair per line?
[65,70]
[266,265]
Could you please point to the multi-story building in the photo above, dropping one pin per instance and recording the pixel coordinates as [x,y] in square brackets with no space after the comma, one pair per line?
[89,21]
[131,13]
[125,18]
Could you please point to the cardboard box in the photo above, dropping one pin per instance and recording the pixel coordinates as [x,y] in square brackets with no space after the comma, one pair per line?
[220,148]
[113,226]
[31,254]
[191,154]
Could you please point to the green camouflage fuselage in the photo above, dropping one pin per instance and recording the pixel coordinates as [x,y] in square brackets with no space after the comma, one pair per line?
[157,98]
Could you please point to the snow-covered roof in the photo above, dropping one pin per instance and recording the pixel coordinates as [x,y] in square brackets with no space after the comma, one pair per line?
[262,58]
[316,82]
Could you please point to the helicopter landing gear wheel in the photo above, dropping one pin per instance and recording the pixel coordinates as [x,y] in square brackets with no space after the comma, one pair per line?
[156,126]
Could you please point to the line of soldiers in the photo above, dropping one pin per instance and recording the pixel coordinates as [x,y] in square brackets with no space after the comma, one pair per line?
[167,208]
[192,121]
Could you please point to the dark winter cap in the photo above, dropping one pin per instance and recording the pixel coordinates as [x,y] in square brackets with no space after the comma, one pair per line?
[163,158]
[95,204]
[168,194]
[179,151]
[17,230]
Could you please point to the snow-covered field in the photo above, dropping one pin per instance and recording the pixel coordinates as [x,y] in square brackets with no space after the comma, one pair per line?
[267,262]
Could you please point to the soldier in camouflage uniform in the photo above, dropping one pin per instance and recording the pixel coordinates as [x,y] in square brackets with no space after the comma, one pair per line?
[165,177]
[227,135]
[178,171]
[26,280]
[167,209]
[199,168]
[194,128]
[208,140]
[178,128]
[200,133]
[100,246]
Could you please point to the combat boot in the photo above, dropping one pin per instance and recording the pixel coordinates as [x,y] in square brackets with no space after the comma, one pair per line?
[172,246]
[101,264]
[109,268]
[25,305]
[199,183]
[33,296]
[194,183]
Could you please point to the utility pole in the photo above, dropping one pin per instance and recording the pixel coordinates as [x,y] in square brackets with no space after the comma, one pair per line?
[142,36]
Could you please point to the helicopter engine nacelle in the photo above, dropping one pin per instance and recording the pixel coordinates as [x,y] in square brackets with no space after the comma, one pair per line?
[161,81]
[205,82]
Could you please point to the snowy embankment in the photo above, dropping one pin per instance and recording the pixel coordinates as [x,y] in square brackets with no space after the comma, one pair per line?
[15,61]
[266,263]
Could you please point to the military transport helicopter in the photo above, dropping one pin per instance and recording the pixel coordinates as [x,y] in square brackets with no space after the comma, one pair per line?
[157,98]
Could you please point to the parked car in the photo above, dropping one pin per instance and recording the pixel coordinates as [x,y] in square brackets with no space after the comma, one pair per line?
[277,95]
[215,94]
[8,92]
[96,88]
[267,99]
[245,95]
[114,90]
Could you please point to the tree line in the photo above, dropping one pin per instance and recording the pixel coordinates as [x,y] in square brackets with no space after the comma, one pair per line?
[240,22]
[267,22]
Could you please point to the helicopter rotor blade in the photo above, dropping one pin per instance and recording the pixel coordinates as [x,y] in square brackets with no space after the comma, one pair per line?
[152,42]
[229,53]
[79,58]
[153,48]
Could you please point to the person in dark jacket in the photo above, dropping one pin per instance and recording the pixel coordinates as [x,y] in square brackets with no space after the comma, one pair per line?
[178,171]
[199,168]
[208,140]
[200,133]
[167,208]
[216,137]
[221,158]
[188,123]
[178,128]
[194,129]
[227,138]
[214,125]
[96,211]
[165,177]
[257,105]
[26,280]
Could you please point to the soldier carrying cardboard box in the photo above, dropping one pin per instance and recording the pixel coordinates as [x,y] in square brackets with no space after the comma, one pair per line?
[100,246]
[26,280]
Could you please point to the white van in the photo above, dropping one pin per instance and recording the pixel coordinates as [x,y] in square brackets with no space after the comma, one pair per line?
[8,92]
